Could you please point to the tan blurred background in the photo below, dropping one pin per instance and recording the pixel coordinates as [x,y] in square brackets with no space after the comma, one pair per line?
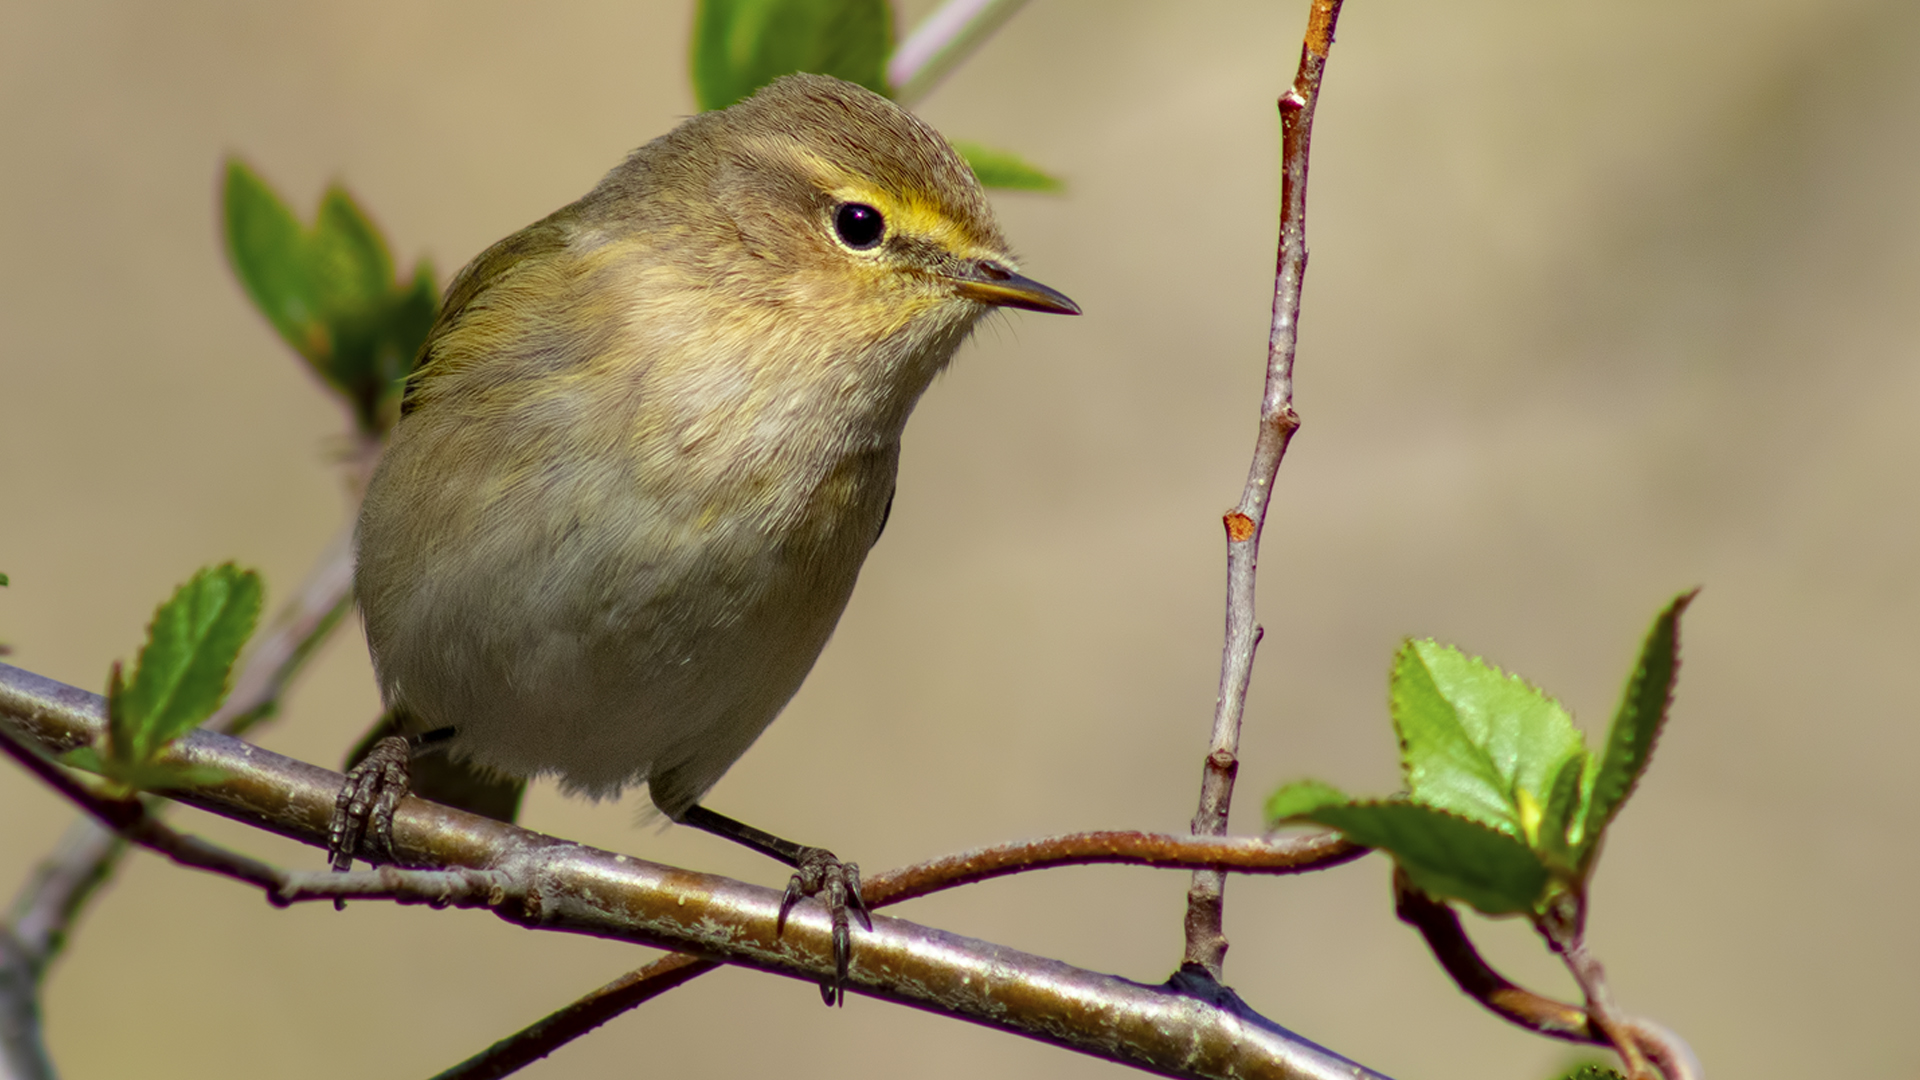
[1608,299]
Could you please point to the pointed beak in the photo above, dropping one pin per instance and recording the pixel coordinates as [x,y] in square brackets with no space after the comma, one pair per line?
[991,283]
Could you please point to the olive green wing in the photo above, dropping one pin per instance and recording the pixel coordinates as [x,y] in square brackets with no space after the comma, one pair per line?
[534,246]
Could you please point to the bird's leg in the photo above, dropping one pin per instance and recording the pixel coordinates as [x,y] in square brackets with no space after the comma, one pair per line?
[816,873]
[375,785]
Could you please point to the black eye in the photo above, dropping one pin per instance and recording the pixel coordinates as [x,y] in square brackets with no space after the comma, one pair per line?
[860,226]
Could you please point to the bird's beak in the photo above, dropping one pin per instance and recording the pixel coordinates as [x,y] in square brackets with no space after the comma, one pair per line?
[991,283]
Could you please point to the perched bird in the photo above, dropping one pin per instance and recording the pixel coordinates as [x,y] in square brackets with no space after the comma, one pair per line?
[648,444]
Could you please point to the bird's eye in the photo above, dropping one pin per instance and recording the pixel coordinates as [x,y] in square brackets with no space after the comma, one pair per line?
[860,226]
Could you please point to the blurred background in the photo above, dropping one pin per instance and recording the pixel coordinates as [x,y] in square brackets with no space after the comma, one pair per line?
[1605,302]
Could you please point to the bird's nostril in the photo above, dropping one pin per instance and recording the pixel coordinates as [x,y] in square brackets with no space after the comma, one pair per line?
[993,271]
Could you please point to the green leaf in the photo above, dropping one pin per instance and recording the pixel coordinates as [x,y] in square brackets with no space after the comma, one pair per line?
[266,245]
[348,260]
[3,580]
[330,290]
[88,758]
[1000,169]
[1636,726]
[411,318]
[126,777]
[1563,808]
[741,45]
[184,667]
[1445,855]
[1472,737]
[1300,798]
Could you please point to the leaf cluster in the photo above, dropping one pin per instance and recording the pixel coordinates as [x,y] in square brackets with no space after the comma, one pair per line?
[329,290]
[740,46]
[182,676]
[1505,805]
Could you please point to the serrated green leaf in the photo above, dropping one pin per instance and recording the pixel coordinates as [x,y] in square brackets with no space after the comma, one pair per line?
[1473,737]
[1636,726]
[1300,798]
[185,665]
[1442,763]
[1446,856]
[741,45]
[1000,169]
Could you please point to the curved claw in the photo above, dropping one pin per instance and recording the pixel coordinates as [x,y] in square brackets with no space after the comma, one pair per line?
[837,884]
[363,811]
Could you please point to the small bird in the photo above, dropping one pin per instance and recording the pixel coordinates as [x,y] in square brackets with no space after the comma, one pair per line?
[647,446]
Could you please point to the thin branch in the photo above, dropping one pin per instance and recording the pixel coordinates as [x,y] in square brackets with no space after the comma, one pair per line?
[1666,1049]
[1440,926]
[540,882]
[543,1037]
[1206,897]
[1295,855]
[1564,928]
[943,39]
[23,1053]
[43,913]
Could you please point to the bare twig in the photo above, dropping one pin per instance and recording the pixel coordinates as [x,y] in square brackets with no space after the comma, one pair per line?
[941,41]
[23,1053]
[1292,856]
[540,882]
[1667,1050]
[1205,932]
[1440,926]
[543,1037]
[48,903]
[1564,926]
[1448,940]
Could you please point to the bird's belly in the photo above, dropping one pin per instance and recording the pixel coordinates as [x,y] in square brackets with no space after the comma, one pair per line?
[650,645]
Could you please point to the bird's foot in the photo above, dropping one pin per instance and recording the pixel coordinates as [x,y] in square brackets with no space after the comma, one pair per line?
[364,809]
[837,884]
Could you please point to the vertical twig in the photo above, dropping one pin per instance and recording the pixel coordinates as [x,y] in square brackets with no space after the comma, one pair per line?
[1206,938]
